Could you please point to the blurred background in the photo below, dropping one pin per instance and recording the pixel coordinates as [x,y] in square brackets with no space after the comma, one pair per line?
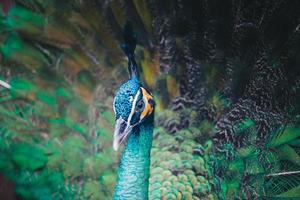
[225,76]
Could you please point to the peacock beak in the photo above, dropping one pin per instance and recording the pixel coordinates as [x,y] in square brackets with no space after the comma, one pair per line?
[122,129]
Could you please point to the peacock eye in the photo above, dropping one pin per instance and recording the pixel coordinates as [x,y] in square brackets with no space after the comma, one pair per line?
[140,106]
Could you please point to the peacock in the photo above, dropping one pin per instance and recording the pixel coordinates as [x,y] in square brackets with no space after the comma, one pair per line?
[134,110]
[225,76]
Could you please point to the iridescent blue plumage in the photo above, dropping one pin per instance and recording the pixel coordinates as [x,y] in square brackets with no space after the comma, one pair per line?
[134,109]
[134,168]
[124,96]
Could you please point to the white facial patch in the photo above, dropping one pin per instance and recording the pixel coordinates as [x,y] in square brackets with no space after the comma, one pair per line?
[133,107]
[114,106]
[130,99]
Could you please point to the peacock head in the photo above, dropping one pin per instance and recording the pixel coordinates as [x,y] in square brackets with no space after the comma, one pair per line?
[132,105]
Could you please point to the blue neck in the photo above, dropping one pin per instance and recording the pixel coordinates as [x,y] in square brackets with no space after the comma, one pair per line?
[133,175]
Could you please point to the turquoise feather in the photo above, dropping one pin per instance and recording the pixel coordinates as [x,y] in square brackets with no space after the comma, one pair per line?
[134,168]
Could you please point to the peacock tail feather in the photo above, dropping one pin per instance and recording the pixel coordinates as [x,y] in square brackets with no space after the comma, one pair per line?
[226,79]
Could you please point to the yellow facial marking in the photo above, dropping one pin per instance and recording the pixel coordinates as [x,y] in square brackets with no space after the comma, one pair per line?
[148,108]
